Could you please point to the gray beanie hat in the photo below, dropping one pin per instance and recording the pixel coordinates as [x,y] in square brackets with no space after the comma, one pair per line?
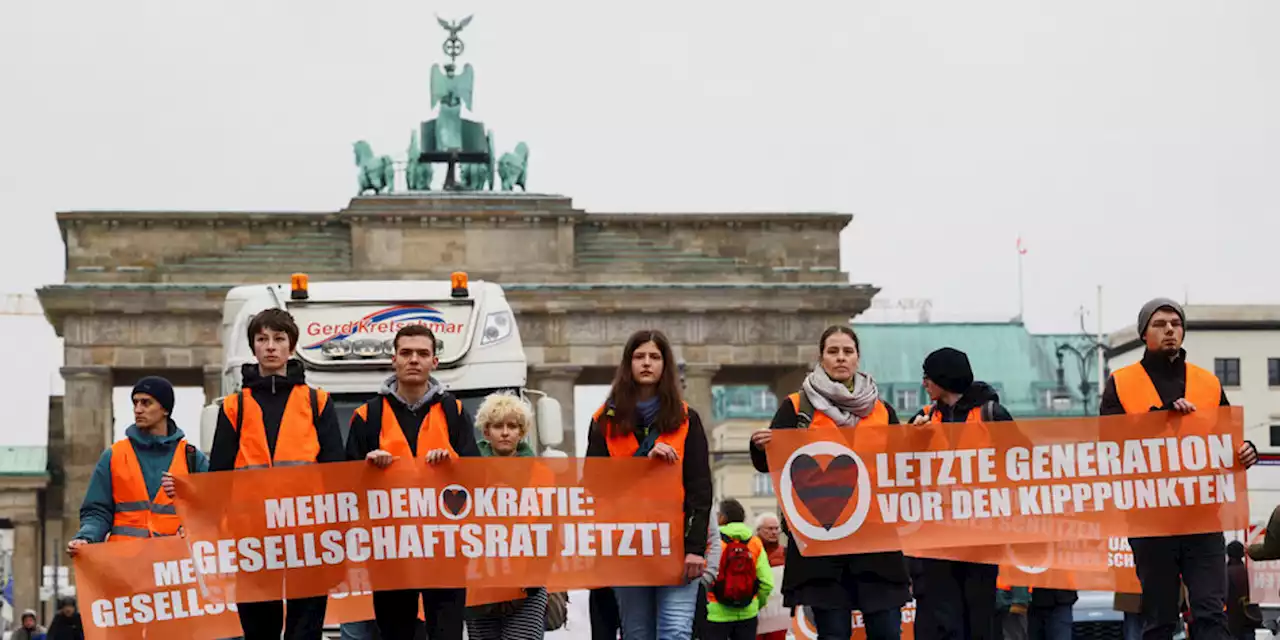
[1149,309]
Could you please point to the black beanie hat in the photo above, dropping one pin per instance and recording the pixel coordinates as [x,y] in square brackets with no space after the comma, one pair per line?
[158,388]
[949,368]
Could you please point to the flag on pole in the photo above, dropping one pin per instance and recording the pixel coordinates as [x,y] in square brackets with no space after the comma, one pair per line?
[1022,250]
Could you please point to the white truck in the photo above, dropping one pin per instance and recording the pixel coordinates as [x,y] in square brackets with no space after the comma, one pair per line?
[346,329]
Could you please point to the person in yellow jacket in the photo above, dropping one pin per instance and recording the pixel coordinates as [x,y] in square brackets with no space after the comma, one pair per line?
[732,613]
[125,499]
[1163,380]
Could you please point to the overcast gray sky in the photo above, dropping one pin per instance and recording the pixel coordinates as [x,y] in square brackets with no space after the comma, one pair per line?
[1132,144]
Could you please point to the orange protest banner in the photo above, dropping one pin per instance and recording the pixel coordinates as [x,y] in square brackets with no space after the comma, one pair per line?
[476,522]
[933,486]
[150,589]
[802,624]
[139,588]
[1080,565]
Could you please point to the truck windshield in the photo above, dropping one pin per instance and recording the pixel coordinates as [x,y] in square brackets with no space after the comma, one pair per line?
[346,404]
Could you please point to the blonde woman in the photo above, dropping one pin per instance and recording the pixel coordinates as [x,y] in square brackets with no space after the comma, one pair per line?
[504,421]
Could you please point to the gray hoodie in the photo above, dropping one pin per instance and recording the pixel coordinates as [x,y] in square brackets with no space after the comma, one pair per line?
[391,387]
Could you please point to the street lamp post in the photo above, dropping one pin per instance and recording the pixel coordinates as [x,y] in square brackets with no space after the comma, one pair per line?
[1084,359]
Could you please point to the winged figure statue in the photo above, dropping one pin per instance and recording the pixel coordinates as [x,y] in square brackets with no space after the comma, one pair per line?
[454,27]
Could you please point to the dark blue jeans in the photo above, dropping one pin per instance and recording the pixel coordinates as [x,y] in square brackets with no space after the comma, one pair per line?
[1050,623]
[837,624]
[1132,626]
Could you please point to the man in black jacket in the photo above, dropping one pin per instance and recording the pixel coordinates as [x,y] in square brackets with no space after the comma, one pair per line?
[1164,381]
[955,599]
[414,416]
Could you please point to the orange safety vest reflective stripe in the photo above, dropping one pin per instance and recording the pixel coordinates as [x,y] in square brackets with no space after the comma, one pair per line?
[433,432]
[626,445]
[296,442]
[974,436]
[819,420]
[756,547]
[1138,394]
[138,514]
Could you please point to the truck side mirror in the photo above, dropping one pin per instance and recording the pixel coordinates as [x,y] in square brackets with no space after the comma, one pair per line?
[208,424]
[550,422]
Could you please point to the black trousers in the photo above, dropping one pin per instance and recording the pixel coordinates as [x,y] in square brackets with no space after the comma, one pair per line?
[606,622]
[955,600]
[301,619]
[397,613]
[700,614]
[837,624]
[1164,564]
[740,630]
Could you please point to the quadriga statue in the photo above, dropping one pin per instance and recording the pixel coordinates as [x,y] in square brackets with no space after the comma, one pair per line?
[377,173]
[513,168]
[417,174]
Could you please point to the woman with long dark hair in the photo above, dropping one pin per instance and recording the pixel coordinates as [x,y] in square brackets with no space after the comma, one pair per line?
[645,416]
[836,395]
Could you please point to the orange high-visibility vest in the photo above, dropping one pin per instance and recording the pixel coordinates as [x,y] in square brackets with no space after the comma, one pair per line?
[296,443]
[973,436]
[869,439]
[1138,394]
[819,420]
[138,514]
[433,432]
[626,445]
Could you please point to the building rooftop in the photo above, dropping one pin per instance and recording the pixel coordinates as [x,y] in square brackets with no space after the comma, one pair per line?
[1021,366]
[24,461]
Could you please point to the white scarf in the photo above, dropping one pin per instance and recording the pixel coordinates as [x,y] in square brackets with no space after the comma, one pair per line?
[843,406]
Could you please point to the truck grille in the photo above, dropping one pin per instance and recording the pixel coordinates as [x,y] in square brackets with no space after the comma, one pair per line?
[1110,630]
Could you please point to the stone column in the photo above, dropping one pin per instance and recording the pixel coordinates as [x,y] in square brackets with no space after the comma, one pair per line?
[212,383]
[26,566]
[565,244]
[87,427]
[697,391]
[558,381]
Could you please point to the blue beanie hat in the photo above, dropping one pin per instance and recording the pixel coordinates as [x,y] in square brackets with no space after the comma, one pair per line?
[158,388]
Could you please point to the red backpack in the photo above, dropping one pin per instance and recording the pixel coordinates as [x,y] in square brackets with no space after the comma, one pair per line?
[736,582]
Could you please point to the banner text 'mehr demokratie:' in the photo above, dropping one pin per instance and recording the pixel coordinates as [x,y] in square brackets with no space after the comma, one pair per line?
[353,535]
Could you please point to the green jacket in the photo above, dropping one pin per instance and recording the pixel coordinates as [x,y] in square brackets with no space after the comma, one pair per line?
[523,450]
[717,612]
